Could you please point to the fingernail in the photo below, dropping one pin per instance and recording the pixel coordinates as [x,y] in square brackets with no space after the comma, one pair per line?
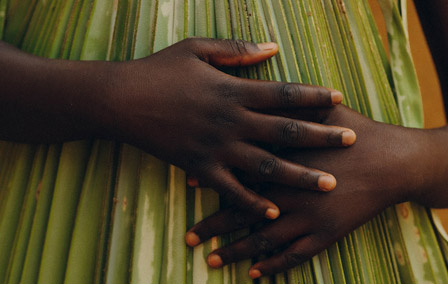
[336,97]
[326,182]
[192,239]
[254,273]
[272,213]
[267,46]
[214,260]
[348,137]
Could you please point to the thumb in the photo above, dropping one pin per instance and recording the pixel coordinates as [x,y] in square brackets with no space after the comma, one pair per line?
[232,53]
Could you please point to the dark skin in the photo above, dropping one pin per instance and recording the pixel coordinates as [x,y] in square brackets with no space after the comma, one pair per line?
[387,165]
[35,111]
[177,106]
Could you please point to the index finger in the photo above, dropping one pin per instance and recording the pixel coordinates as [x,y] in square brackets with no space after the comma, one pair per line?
[298,252]
[259,94]
[265,240]
[227,185]
[222,222]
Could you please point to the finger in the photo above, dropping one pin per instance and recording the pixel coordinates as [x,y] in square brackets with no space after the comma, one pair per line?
[295,133]
[229,188]
[270,237]
[269,95]
[264,166]
[222,222]
[299,252]
[318,115]
[232,53]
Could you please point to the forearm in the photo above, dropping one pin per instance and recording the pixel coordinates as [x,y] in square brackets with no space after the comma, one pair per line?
[431,169]
[433,16]
[43,100]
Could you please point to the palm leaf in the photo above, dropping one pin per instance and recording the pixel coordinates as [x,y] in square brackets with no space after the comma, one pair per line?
[145,209]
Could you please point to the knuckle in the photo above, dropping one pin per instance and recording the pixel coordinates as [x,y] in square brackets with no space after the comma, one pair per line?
[191,42]
[224,117]
[323,96]
[303,180]
[229,90]
[290,94]
[198,46]
[334,138]
[269,167]
[261,243]
[292,259]
[293,132]
[238,46]
[307,179]
[242,46]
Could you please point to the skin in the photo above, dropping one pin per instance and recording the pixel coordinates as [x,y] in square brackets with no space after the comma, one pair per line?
[178,106]
[387,165]
[139,102]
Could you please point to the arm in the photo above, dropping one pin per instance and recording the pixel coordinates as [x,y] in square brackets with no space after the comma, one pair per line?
[387,165]
[175,105]
[44,100]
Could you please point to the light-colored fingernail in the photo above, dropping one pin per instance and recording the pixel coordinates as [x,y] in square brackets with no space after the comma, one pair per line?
[192,239]
[254,273]
[214,260]
[336,97]
[272,213]
[326,182]
[348,137]
[266,46]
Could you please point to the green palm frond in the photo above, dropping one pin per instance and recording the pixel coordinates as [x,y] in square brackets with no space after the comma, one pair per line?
[96,212]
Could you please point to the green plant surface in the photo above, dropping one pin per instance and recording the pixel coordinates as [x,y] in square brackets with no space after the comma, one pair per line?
[14,196]
[21,239]
[35,246]
[90,215]
[150,221]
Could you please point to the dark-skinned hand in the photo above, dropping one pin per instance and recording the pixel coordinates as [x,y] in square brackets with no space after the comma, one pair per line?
[387,165]
[205,121]
[177,106]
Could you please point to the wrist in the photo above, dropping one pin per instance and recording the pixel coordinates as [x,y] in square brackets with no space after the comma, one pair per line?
[86,105]
[130,103]
[431,190]
[99,102]
[405,171]
[49,100]
[112,96]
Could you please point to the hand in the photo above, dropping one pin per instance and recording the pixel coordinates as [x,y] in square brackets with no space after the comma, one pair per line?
[177,106]
[387,165]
